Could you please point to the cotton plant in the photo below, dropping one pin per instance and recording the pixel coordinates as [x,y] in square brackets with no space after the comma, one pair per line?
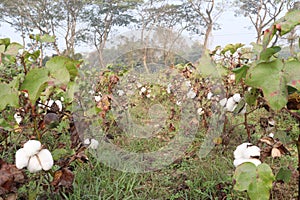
[246,152]
[33,157]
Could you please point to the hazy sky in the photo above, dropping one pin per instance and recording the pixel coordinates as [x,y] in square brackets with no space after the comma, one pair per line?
[234,30]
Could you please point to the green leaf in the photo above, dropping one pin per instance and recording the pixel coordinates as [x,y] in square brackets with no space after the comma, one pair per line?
[47,38]
[270,78]
[258,191]
[13,49]
[232,48]
[240,106]
[284,175]
[292,69]
[8,96]
[251,96]
[289,21]
[58,70]
[2,48]
[35,82]
[66,66]
[244,175]
[240,72]
[262,184]
[268,36]
[60,153]
[268,53]
[207,67]
[5,41]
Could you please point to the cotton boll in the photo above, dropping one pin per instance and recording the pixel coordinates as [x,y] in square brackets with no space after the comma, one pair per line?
[94,144]
[120,92]
[34,165]
[271,135]
[244,110]
[143,89]
[200,111]
[230,105]
[32,147]
[250,152]
[46,159]
[240,161]
[209,95]
[238,153]
[191,94]
[236,97]
[169,88]
[21,158]
[97,98]
[59,104]
[223,102]
[87,141]
[49,103]
[188,84]
[18,118]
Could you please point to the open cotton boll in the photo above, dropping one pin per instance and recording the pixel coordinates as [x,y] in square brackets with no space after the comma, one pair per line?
[240,161]
[250,152]
[21,158]
[237,98]
[238,153]
[59,105]
[34,165]
[209,95]
[32,147]
[223,102]
[230,105]
[46,159]
[191,94]
[92,143]
[18,117]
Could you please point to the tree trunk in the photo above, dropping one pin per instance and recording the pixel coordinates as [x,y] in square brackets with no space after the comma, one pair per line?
[207,35]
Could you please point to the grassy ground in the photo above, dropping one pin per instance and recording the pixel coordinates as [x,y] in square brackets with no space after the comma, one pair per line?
[189,177]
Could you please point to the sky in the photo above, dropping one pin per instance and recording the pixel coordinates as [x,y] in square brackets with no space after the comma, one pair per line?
[233,30]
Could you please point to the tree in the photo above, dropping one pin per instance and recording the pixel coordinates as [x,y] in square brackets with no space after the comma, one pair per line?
[262,13]
[204,13]
[54,17]
[101,16]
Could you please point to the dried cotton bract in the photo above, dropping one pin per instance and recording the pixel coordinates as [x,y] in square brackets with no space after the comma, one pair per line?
[33,157]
